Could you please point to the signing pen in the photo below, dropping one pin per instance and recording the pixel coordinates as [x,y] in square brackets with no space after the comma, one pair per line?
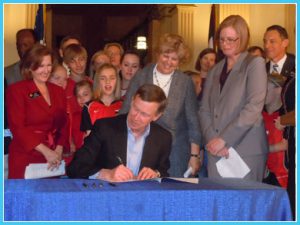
[120,160]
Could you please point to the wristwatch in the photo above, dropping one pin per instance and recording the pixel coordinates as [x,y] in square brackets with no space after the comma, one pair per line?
[195,155]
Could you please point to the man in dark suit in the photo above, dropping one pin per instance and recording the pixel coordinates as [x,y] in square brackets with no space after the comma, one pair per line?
[25,39]
[275,43]
[128,146]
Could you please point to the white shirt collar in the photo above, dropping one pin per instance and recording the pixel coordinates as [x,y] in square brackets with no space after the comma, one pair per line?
[279,63]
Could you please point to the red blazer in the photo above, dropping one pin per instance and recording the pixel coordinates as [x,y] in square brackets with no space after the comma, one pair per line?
[32,121]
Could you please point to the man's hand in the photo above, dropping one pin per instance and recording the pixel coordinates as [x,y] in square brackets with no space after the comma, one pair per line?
[215,145]
[223,153]
[147,173]
[120,173]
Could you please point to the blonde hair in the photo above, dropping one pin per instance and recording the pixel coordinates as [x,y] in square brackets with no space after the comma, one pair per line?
[96,54]
[96,87]
[72,51]
[119,46]
[239,24]
[174,43]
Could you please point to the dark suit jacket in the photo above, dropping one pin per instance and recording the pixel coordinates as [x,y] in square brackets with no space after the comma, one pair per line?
[180,116]
[288,66]
[108,140]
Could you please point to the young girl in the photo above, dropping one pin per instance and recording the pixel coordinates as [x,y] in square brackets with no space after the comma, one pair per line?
[83,92]
[59,76]
[106,97]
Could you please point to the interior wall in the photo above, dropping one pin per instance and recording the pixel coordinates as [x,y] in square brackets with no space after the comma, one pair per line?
[271,14]
[18,12]
[18,16]
[201,28]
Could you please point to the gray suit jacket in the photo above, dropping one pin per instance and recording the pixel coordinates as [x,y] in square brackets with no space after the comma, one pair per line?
[234,114]
[180,116]
[12,73]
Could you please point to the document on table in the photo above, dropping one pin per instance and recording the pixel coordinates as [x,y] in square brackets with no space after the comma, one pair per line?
[233,167]
[39,170]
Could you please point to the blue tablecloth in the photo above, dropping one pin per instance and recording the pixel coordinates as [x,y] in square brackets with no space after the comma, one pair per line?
[95,200]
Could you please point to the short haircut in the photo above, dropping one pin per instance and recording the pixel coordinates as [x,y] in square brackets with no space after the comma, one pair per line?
[201,55]
[81,84]
[152,93]
[73,51]
[281,30]
[28,31]
[240,25]
[66,38]
[169,43]
[116,45]
[97,90]
[32,59]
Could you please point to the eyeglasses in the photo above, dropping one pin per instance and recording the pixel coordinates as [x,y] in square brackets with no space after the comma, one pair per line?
[228,41]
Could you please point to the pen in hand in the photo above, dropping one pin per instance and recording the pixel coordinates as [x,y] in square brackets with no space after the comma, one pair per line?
[120,160]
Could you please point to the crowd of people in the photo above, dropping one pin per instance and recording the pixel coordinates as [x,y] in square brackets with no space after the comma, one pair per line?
[117,121]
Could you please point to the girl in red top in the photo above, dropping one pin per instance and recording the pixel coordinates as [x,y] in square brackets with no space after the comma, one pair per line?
[276,171]
[107,101]
[37,115]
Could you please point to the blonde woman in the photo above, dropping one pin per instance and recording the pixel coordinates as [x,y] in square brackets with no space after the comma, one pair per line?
[232,102]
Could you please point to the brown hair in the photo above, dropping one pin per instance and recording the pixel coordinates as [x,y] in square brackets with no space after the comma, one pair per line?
[201,55]
[67,38]
[81,84]
[72,51]
[174,43]
[152,93]
[32,59]
[97,90]
[239,24]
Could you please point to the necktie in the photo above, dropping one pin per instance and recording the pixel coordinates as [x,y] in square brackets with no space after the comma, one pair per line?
[275,68]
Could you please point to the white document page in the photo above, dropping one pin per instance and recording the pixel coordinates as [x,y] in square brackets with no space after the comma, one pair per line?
[39,170]
[233,167]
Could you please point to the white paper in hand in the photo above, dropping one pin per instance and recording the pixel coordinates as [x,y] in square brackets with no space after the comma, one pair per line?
[233,167]
[39,170]
[188,172]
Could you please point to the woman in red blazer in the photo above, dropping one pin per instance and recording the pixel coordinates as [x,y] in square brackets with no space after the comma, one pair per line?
[36,115]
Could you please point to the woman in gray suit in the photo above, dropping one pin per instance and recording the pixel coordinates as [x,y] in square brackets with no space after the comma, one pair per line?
[180,116]
[233,99]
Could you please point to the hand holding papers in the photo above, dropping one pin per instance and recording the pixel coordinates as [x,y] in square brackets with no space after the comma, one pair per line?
[232,167]
[40,170]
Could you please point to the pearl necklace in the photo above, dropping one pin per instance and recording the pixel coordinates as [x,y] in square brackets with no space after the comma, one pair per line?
[166,84]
